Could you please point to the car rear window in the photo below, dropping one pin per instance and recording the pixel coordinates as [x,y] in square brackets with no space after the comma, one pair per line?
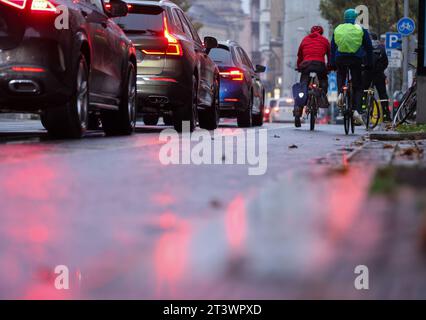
[142,19]
[221,56]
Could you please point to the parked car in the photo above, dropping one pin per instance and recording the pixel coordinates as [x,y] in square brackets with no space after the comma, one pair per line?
[176,78]
[242,94]
[67,73]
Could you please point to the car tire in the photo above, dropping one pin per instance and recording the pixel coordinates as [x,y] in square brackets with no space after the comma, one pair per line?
[244,118]
[258,119]
[123,121]
[168,120]
[150,120]
[71,120]
[189,113]
[94,122]
[209,118]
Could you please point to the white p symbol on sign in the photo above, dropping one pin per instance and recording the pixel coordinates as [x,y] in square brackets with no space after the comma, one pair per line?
[393,41]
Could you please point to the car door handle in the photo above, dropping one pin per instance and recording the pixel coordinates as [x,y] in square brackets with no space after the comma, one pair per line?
[84,13]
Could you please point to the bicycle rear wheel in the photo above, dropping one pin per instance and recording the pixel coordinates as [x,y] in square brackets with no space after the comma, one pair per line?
[313,113]
[347,114]
[374,114]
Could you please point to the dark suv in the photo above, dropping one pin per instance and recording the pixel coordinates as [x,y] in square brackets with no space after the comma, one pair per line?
[68,61]
[242,94]
[176,78]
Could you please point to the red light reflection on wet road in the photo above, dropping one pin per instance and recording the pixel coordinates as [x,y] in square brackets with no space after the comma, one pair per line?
[171,254]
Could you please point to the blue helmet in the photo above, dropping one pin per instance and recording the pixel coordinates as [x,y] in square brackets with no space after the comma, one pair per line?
[351,15]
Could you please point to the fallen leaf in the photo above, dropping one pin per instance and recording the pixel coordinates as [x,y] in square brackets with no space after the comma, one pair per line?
[277,136]
[216,204]
[388,146]
[293,146]
[337,139]
[358,143]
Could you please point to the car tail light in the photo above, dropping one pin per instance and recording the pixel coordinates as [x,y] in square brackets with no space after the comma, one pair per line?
[231,100]
[234,75]
[27,69]
[267,111]
[43,5]
[174,48]
[20,4]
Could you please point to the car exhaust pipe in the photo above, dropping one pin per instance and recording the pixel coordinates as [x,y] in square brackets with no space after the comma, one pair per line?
[158,99]
[24,86]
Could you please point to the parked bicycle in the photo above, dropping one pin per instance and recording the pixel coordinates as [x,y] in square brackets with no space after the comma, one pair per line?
[407,111]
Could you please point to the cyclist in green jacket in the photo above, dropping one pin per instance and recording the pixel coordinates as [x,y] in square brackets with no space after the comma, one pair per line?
[351,45]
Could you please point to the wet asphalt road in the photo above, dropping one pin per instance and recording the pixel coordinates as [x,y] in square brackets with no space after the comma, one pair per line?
[127,226]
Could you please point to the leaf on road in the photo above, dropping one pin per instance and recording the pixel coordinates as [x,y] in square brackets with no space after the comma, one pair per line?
[388,146]
[337,139]
[277,136]
[216,204]
[293,146]
[358,143]
[410,152]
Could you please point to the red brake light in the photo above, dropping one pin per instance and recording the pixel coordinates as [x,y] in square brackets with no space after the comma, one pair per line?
[234,75]
[43,5]
[27,69]
[174,48]
[20,4]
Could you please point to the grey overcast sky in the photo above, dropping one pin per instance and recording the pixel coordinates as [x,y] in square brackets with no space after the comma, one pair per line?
[246,4]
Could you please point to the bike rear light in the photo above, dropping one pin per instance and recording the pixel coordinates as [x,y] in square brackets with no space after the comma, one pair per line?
[313,86]
[345,88]
[20,4]
[174,48]
[43,5]
[27,69]
[234,75]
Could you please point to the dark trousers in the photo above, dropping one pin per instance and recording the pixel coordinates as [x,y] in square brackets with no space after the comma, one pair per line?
[354,65]
[378,80]
[319,68]
[322,72]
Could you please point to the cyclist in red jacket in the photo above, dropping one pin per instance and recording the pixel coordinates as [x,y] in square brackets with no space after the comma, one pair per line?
[311,58]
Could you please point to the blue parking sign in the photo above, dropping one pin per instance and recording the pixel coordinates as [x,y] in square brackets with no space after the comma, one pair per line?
[406,26]
[393,41]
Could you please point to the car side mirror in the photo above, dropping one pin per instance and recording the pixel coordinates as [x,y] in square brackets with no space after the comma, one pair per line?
[117,8]
[210,43]
[260,69]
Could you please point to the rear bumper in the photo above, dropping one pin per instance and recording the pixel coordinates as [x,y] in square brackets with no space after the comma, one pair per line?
[157,94]
[34,76]
[234,97]
[31,92]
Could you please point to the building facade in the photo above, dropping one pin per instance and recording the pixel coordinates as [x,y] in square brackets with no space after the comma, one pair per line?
[222,19]
[299,17]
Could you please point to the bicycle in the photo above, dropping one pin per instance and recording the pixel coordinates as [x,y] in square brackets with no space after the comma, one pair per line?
[348,113]
[374,110]
[314,94]
[407,111]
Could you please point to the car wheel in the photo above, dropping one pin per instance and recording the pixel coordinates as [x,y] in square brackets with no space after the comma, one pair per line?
[150,119]
[123,122]
[209,119]
[94,122]
[71,120]
[244,118]
[188,114]
[258,119]
[168,120]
